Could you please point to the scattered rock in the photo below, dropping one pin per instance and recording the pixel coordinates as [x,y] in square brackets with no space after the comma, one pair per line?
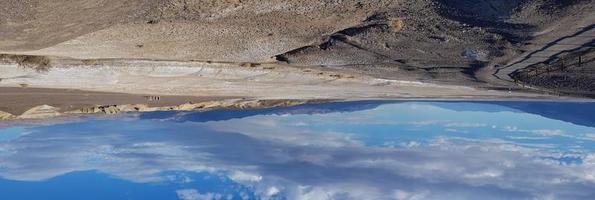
[132,107]
[88,110]
[396,24]
[5,115]
[38,112]
[475,55]
[188,106]
[46,111]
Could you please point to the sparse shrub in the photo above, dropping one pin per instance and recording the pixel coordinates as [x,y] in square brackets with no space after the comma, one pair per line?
[39,63]
[90,62]
[396,24]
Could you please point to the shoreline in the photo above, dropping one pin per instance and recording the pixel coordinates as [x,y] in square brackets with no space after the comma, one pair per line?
[114,86]
[137,103]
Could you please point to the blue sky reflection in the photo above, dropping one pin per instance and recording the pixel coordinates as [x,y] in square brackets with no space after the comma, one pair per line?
[352,150]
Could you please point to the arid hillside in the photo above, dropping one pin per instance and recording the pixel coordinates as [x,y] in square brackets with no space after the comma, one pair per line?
[322,49]
[415,32]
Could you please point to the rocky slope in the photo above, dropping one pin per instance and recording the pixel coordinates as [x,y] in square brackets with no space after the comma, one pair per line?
[568,73]
[424,33]
[458,42]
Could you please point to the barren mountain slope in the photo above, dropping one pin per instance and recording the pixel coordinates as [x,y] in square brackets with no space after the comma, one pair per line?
[415,32]
[214,30]
[459,42]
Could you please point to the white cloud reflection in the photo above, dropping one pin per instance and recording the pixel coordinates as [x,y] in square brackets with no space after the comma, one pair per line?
[278,158]
[192,194]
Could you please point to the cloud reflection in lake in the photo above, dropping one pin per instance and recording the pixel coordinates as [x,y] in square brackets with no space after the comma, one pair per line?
[350,150]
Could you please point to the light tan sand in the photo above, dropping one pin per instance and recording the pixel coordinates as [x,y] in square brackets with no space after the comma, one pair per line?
[175,83]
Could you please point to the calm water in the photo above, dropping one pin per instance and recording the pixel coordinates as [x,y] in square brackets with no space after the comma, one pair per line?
[353,150]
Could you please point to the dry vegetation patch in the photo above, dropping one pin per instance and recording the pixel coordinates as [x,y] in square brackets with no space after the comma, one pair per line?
[39,63]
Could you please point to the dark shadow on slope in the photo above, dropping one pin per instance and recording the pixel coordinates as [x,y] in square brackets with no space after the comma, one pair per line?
[488,14]
[555,42]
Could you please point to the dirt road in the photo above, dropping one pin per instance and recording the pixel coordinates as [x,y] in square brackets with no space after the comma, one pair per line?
[583,37]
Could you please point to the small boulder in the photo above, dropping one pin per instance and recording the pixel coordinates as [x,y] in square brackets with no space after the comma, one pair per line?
[38,112]
[5,115]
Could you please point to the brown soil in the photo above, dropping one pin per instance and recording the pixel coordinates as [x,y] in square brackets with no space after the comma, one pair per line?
[17,100]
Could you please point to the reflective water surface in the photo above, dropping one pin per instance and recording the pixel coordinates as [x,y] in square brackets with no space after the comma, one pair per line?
[346,150]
